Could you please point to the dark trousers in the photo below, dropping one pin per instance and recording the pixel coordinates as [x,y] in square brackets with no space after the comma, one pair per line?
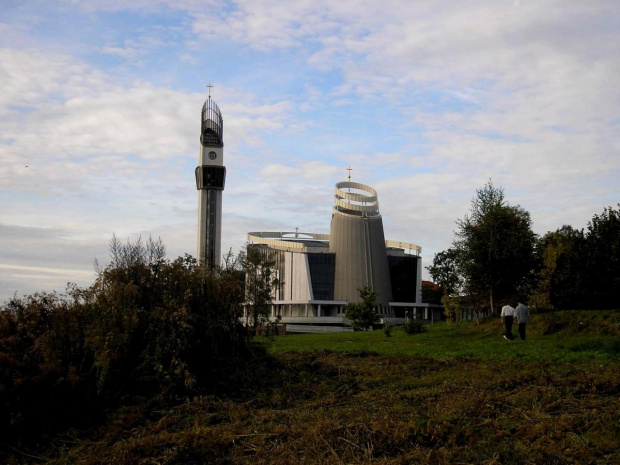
[508,320]
[522,331]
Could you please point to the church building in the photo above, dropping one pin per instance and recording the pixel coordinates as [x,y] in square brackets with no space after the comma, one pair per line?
[319,274]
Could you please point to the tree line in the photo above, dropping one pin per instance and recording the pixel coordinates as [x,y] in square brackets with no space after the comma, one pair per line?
[148,326]
[496,258]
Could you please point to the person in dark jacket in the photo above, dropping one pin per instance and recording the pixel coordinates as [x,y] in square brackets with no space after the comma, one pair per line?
[522,314]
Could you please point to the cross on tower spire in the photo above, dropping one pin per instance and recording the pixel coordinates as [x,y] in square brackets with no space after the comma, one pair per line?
[349,169]
[209,86]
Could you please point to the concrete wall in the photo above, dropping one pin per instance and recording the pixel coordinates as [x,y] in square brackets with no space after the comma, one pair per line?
[361,258]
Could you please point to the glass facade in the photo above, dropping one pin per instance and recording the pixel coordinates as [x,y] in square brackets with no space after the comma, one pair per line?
[403,276]
[403,270]
[210,177]
[210,227]
[322,268]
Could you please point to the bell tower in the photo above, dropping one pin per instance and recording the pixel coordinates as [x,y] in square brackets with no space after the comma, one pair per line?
[210,179]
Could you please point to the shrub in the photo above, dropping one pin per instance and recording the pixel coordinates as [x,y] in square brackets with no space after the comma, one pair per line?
[362,314]
[147,326]
[452,308]
[415,326]
[387,328]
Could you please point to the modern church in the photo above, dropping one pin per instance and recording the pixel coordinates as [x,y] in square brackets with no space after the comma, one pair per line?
[318,274]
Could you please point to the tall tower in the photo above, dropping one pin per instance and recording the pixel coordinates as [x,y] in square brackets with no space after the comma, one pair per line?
[357,239]
[210,178]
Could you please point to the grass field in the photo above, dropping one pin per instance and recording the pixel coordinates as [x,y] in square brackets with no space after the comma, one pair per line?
[561,337]
[455,394]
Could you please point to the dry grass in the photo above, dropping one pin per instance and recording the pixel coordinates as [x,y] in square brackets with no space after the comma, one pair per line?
[309,407]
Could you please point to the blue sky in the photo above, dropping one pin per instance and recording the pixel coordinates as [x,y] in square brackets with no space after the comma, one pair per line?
[425,100]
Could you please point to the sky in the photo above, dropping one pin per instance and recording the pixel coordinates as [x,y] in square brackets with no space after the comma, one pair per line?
[426,101]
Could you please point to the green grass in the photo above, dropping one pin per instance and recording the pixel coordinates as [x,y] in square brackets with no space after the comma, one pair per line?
[452,395]
[573,343]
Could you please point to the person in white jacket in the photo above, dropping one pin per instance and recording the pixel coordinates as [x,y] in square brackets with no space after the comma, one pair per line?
[508,315]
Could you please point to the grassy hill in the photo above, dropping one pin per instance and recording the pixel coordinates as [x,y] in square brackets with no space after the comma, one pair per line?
[455,394]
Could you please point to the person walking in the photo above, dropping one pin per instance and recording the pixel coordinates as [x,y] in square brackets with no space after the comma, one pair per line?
[508,315]
[522,313]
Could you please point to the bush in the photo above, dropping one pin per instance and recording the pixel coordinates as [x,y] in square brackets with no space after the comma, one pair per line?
[387,329]
[147,326]
[415,326]
[452,308]
[362,314]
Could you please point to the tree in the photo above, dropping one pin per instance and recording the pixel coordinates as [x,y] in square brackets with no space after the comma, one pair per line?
[587,268]
[493,254]
[568,282]
[431,293]
[553,247]
[603,259]
[362,314]
[496,247]
[260,281]
[446,271]
[147,327]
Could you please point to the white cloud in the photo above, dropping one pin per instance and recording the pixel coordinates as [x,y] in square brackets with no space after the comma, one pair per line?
[425,100]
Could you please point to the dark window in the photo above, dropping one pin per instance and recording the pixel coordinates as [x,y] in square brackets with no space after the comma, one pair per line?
[322,269]
[404,276]
[210,177]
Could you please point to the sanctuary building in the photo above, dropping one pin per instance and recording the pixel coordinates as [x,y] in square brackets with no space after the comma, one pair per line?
[319,274]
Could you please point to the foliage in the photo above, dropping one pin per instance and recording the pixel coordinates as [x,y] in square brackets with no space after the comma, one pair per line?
[452,308]
[603,259]
[431,293]
[260,281]
[493,256]
[496,247]
[413,326]
[362,314]
[272,328]
[552,247]
[582,269]
[446,271]
[46,375]
[387,329]
[504,405]
[562,277]
[146,326]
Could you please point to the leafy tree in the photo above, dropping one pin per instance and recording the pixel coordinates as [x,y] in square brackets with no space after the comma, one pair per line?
[147,326]
[568,283]
[495,247]
[431,293]
[603,259]
[260,281]
[553,247]
[446,272]
[362,314]
[587,269]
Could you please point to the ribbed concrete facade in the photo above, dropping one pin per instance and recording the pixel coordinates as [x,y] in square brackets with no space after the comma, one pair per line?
[357,239]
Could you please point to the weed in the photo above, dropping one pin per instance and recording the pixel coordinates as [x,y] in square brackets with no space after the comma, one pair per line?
[415,326]
[387,329]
